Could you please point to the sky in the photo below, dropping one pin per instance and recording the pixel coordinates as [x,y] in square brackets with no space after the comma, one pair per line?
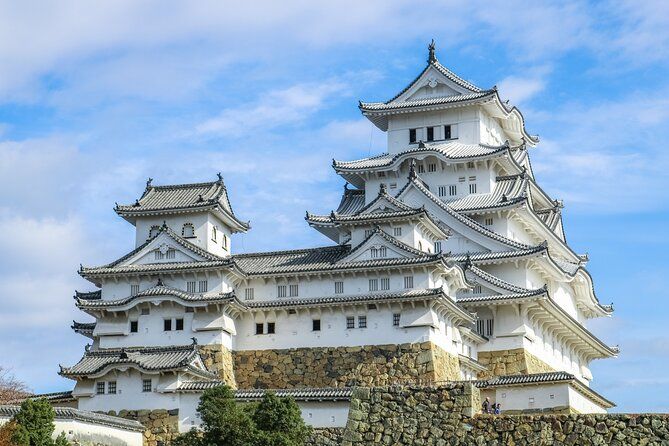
[95,97]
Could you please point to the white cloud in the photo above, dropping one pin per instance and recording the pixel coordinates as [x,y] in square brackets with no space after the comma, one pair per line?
[521,89]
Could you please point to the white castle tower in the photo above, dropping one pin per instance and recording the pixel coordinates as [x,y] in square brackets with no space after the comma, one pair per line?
[449,263]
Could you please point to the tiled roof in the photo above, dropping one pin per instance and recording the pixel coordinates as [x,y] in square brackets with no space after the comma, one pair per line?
[88,295]
[497,298]
[147,359]
[299,394]
[181,198]
[452,150]
[67,413]
[84,328]
[509,191]
[461,218]
[153,267]
[352,201]
[159,290]
[342,299]
[53,397]
[367,107]
[476,274]
[492,256]
[541,378]
[343,218]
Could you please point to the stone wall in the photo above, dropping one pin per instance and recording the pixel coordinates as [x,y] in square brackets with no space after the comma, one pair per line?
[330,436]
[219,360]
[444,415]
[370,365]
[511,362]
[161,425]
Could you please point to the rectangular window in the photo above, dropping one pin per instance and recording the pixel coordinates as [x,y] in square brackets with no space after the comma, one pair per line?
[111,387]
[488,221]
[408,282]
[145,311]
[396,320]
[293,290]
[203,286]
[368,232]
[316,325]
[100,388]
[134,326]
[472,188]
[248,294]
[470,165]
[271,326]
[167,325]
[190,286]
[393,185]
[373,284]
[461,179]
[447,132]
[477,289]
[421,168]
[430,133]
[158,255]
[171,253]
[350,322]
[260,329]
[412,135]
[385,284]
[147,385]
[281,291]
[179,325]
[134,290]
[442,191]
[339,287]
[383,251]
[190,310]
[453,190]
[472,178]
[432,167]
[397,232]
[362,321]
[489,327]
[437,246]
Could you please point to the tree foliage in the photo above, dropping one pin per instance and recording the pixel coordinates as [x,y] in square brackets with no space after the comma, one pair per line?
[11,389]
[273,422]
[34,425]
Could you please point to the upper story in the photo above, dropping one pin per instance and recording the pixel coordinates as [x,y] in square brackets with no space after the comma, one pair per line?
[441,106]
[199,212]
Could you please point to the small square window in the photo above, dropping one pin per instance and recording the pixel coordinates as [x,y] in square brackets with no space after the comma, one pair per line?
[179,324]
[350,322]
[203,286]
[385,284]
[134,290]
[111,387]
[396,320]
[259,329]
[421,168]
[397,232]
[453,190]
[362,321]
[316,325]
[488,221]
[167,325]
[281,290]
[373,284]
[472,188]
[249,294]
[100,388]
[408,282]
[145,311]
[339,287]
[190,286]
[432,167]
[293,291]
[271,326]
[147,385]
[134,326]
[393,185]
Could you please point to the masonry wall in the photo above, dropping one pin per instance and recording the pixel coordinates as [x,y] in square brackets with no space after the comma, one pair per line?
[218,359]
[370,365]
[511,362]
[411,415]
[161,425]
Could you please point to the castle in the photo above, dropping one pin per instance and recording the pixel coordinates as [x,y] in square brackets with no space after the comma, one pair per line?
[447,262]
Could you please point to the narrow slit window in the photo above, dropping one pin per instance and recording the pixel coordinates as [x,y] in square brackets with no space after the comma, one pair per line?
[430,133]
[412,135]
[472,188]
[316,325]
[447,132]
[134,326]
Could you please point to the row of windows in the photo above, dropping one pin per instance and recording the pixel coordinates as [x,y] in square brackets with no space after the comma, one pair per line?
[109,387]
[451,190]
[270,327]
[188,231]
[170,324]
[292,290]
[431,133]
[485,327]
[192,286]
[169,254]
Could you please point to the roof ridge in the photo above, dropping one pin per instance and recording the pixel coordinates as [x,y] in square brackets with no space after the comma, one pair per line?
[288,251]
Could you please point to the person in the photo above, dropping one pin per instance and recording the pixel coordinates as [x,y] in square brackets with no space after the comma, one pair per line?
[486,405]
[498,408]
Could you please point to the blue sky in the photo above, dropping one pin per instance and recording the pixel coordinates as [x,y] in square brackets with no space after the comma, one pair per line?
[96,97]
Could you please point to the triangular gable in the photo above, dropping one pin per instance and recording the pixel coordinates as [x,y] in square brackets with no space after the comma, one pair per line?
[171,248]
[379,240]
[384,203]
[416,194]
[430,84]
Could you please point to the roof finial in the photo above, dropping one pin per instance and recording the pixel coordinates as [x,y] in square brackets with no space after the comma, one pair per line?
[87,348]
[220,177]
[160,282]
[148,182]
[382,188]
[346,186]
[333,215]
[430,48]
[421,144]
[199,198]
[124,354]
[412,170]
[194,339]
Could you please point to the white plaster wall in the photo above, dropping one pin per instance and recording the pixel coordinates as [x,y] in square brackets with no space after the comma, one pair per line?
[129,395]
[81,430]
[520,397]
[582,404]
[120,289]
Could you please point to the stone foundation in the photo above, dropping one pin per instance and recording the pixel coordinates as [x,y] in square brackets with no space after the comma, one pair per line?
[370,365]
[327,436]
[161,425]
[511,362]
[219,360]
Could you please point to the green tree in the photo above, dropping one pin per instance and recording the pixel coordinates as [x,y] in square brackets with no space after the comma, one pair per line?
[34,425]
[273,422]
[280,422]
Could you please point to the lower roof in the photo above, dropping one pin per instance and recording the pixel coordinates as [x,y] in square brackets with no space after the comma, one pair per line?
[68,413]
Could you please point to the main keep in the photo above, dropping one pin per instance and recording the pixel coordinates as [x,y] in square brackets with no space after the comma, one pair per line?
[446,262]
